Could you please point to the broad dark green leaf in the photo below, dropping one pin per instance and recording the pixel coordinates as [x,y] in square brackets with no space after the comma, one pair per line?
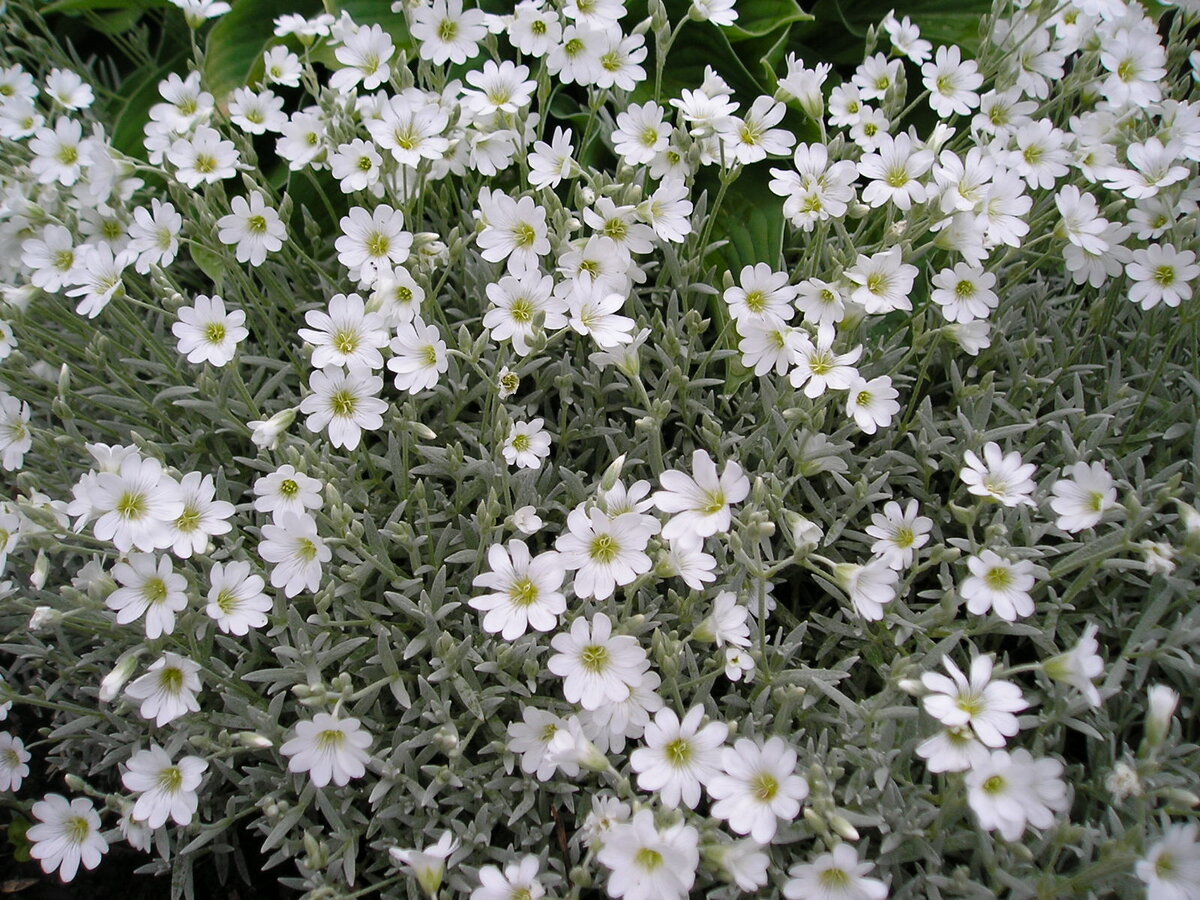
[238,39]
[75,6]
[141,92]
[757,18]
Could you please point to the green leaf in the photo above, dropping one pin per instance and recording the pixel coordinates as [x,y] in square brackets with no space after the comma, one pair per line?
[757,18]
[211,264]
[751,219]
[698,45]
[75,6]
[236,43]
[141,93]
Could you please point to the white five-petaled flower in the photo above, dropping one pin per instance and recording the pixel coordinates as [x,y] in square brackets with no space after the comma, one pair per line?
[1080,665]
[526,590]
[66,835]
[518,881]
[345,334]
[14,759]
[987,706]
[699,503]
[527,444]
[679,756]
[166,789]
[329,748]
[297,552]
[1009,791]
[419,356]
[837,875]
[1082,499]
[1171,867]
[999,476]
[648,864]
[148,586]
[869,586]
[899,533]
[168,689]
[253,227]
[286,490]
[207,333]
[596,666]
[872,404]
[999,584]
[605,552]
[429,864]
[136,505]
[236,601]
[346,402]
[757,788]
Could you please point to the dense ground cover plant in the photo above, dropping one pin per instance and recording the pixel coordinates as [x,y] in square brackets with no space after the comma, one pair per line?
[474,464]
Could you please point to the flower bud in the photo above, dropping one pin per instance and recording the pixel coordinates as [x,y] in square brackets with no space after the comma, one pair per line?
[112,683]
[1163,701]
[841,825]
[252,740]
[44,617]
[265,433]
[806,534]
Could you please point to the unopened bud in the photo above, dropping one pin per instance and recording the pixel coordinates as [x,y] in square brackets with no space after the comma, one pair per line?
[1163,701]
[112,683]
[252,740]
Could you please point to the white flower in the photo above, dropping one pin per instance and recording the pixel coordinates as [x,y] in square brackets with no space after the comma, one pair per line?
[739,664]
[346,334]
[679,756]
[687,560]
[518,881]
[999,584]
[419,358]
[167,690]
[254,227]
[986,705]
[872,404]
[1008,792]
[596,666]
[207,333]
[526,590]
[518,300]
[13,762]
[148,586]
[895,172]
[356,166]
[428,865]
[202,516]
[447,32]
[531,737]
[236,601]
[15,436]
[753,137]
[1079,665]
[282,66]
[952,82]
[97,277]
[68,90]
[346,401]
[1161,274]
[397,297]
[67,833]
[758,787]
[527,445]
[952,750]
[869,586]
[1171,867]
[167,789]
[257,113]
[514,230]
[699,503]
[499,88]
[297,552]
[364,55]
[763,295]
[328,748]
[719,12]
[526,520]
[203,158]
[884,281]
[550,163]
[647,864]
[136,505]
[641,133]
[899,533]
[837,875]
[594,312]
[819,369]
[964,293]
[613,723]
[1082,499]
[999,476]
[604,552]
[372,243]
[265,433]
[59,153]
[286,490]
[154,235]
